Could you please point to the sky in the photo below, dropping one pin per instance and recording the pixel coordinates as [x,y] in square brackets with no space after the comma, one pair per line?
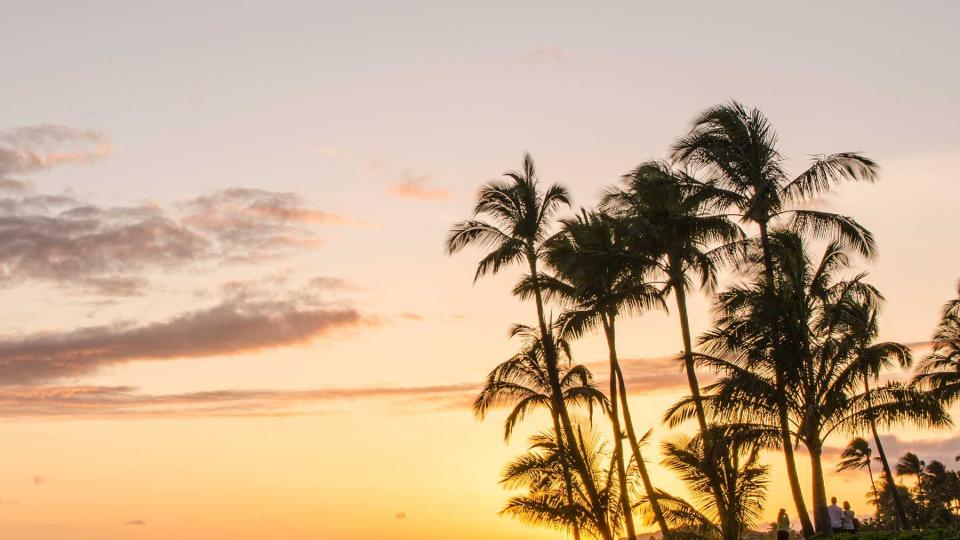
[227,309]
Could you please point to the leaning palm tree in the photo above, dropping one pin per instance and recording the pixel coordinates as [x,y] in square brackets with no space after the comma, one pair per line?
[874,357]
[546,503]
[939,372]
[519,214]
[521,383]
[738,146]
[858,456]
[740,473]
[671,218]
[598,280]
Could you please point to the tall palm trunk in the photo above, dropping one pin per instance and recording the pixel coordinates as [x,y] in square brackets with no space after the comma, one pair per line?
[786,441]
[873,484]
[565,471]
[820,513]
[638,456]
[608,329]
[681,297]
[553,374]
[900,514]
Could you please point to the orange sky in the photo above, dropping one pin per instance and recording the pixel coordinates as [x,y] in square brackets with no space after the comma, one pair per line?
[227,312]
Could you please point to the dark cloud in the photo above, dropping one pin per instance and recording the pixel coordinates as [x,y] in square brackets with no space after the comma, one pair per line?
[942,449]
[234,326]
[413,185]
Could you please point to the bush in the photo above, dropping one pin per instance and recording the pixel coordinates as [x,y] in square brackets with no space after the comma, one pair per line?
[925,534]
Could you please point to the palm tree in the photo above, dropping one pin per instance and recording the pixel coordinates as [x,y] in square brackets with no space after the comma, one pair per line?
[911,465]
[806,335]
[546,503]
[670,217]
[856,456]
[522,383]
[598,281]
[740,473]
[940,371]
[874,358]
[520,216]
[738,146]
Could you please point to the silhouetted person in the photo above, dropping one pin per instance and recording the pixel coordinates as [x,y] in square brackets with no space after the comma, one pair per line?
[783,525]
[836,515]
[849,521]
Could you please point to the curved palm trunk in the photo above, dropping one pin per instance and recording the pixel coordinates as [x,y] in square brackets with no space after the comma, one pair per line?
[608,329]
[638,456]
[900,514]
[681,297]
[550,354]
[820,513]
[785,439]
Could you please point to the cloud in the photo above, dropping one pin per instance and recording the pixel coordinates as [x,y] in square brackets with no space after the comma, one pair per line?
[52,402]
[400,515]
[34,148]
[9,502]
[135,522]
[38,480]
[545,53]
[105,250]
[416,186]
[105,402]
[234,326]
[942,449]
[663,373]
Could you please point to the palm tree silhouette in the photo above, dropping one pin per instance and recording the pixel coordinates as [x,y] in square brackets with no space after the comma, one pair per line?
[858,455]
[546,503]
[521,215]
[521,382]
[810,327]
[874,358]
[940,371]
[598,280]
[670,218]
[738,146]
[743,477]
[911,465]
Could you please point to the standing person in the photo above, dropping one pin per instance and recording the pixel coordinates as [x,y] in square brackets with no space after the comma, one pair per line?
[849,521]
[836,516]
[783,525]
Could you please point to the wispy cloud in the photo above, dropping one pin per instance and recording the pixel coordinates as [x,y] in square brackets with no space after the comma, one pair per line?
[545,53]
[414,185]
[32,148]
[51,402]
[236,325]
[136,522]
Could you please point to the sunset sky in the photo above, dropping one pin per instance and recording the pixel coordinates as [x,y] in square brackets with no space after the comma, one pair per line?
[227,310]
